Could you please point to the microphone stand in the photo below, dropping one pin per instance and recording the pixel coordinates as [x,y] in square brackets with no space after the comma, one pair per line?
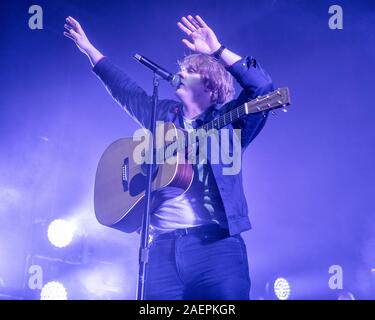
[144,243]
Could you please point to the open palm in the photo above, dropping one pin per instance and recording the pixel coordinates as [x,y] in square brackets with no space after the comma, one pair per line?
[201,37]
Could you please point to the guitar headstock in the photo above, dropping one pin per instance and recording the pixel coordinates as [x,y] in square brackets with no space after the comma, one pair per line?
[279,98]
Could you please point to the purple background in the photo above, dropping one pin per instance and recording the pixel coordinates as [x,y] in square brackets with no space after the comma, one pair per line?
[309,176]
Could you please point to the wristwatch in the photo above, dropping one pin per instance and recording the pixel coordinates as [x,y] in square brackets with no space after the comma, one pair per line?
[218,52]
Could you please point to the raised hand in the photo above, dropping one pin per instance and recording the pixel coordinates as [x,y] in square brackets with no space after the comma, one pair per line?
[76,33]
[201,37]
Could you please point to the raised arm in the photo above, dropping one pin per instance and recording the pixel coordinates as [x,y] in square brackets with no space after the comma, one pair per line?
[246,70]
[121,87]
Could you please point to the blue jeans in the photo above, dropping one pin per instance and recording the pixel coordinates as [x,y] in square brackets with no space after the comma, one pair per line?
[204,266]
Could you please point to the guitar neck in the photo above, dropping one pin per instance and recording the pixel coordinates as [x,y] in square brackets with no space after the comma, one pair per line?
[276,99]
[225,119]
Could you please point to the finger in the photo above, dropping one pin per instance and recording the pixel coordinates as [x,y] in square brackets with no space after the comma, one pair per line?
[75,23]
[67,27]
[69,23]
[188,24]
[184,29]
[68,35]
[194,22]
[189,44]
[201,22]
[74,33]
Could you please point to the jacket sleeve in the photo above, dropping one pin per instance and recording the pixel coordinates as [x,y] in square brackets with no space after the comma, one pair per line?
[254,82]
[127,93]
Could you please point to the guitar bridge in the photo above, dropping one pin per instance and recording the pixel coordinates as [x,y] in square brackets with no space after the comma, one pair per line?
[125,175]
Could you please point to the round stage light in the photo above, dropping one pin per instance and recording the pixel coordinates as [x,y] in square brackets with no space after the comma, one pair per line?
[281,288]
[60,233]
[53,291]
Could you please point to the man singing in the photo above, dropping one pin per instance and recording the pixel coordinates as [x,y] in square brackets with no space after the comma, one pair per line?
[197,251]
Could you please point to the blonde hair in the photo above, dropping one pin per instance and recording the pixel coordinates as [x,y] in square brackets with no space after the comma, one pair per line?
[214,76]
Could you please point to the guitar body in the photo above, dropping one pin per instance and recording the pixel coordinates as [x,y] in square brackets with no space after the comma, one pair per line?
[120,182]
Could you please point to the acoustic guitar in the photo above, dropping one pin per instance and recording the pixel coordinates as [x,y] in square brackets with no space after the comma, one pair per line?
[120,178]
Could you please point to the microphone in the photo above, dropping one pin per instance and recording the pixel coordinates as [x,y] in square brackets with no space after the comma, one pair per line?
[173,79]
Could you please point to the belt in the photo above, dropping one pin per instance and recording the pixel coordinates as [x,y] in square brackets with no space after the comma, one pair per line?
[207,229]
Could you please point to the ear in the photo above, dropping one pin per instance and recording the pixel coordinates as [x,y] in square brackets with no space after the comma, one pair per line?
[214,96]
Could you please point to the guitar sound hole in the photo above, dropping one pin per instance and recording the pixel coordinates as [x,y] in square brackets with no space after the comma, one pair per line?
[138,182]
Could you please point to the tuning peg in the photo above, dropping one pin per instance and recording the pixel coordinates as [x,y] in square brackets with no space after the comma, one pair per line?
[284,109]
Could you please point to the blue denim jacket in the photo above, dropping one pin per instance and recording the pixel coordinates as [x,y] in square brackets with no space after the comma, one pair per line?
[254,82]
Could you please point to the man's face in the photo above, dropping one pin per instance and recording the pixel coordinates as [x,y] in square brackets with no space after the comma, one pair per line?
[192,88]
